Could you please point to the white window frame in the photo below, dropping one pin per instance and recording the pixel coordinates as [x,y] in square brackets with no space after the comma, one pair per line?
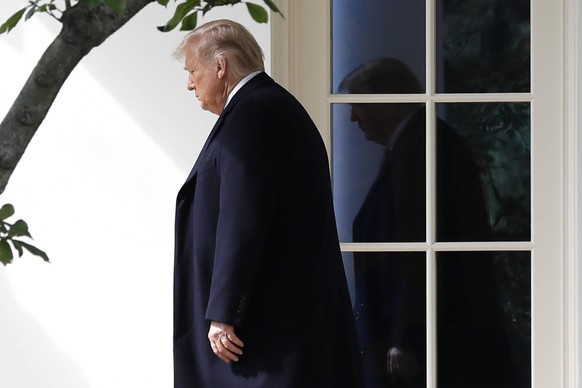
[573,198]
[298,42]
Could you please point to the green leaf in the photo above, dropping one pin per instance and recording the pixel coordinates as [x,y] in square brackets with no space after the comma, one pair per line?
[18,245]
[6,211]
[45,7]
[6,254]
[34,250]
[20,228]
[163,2]
[189,22]
[181,10]
[258,13]
[30,12]
[271,4]
[207,8]
[12,21]
[218,3]
[118,6]
[90,3]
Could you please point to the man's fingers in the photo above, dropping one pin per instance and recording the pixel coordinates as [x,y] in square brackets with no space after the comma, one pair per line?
[403,364]
[230,345]
[223,357]
[224,352]
[234,339]
[215,350]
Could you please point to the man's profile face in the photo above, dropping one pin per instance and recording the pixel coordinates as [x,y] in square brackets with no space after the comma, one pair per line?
[376,121]
[206,82]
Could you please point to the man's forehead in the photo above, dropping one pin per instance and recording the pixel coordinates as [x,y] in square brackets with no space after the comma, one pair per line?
[190,60]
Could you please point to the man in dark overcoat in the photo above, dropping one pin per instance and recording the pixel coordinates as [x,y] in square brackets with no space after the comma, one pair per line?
[260,294]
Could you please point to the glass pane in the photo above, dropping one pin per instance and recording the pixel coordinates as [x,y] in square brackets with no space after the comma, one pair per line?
[483,319]
[379,172]
[376,29]
[483,46]
[483,175]
[390,315]
[348,260]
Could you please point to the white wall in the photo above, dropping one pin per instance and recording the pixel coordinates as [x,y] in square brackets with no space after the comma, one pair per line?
[97,187]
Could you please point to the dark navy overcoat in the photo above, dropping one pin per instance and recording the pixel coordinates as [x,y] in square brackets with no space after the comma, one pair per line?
[472,344]
[257,247]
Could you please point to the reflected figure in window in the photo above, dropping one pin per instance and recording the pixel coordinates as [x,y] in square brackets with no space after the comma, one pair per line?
[390,307]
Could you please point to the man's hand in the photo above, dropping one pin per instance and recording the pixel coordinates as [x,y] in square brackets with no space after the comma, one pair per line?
[224,343]
[403,364]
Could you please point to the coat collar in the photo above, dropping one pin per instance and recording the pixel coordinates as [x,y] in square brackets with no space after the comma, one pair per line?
[258,81]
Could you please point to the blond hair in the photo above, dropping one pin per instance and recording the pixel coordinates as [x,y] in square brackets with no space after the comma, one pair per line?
[224,38]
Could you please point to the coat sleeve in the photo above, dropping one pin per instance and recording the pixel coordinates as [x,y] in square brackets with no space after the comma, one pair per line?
[252,163]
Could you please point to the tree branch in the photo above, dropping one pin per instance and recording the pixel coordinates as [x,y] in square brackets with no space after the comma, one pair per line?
[83,29]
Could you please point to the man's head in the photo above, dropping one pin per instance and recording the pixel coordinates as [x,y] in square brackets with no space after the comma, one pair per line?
[217,55]
[381,76]
[378,121]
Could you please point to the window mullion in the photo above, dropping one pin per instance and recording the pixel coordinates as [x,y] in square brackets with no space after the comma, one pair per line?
[431,287]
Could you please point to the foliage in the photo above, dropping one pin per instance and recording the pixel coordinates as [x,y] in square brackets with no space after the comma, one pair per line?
[10,237]
[499,136]
[486,49]
[186,13]
[486,46]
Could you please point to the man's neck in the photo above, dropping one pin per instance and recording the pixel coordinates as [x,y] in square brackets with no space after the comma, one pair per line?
[238,85]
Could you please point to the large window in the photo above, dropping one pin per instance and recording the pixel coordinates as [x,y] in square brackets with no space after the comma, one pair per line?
[444,123]
[471,180]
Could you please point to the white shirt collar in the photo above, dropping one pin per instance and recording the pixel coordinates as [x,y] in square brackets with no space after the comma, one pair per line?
[241,83]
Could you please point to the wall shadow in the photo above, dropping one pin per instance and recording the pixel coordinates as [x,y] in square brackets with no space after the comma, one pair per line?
[29,357]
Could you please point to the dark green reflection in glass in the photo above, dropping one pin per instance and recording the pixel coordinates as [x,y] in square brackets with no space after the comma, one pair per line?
[483,319]
[498,135]
[483,46]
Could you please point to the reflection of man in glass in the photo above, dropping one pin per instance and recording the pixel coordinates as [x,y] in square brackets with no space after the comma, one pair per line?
[390,287]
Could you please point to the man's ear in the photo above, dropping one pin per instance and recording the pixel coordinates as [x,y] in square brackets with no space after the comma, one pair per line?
[221,66]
